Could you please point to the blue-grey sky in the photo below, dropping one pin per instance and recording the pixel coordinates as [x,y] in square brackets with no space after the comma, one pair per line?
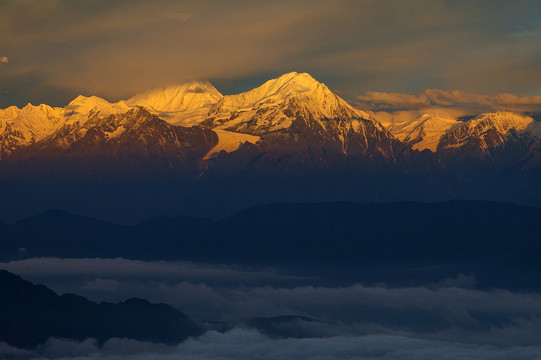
[53,50]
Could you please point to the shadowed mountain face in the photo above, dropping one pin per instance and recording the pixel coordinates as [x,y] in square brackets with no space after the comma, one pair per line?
[31,314]
[399,243]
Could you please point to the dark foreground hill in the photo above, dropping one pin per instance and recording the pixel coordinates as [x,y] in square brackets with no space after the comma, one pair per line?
[402,243]
[30,314]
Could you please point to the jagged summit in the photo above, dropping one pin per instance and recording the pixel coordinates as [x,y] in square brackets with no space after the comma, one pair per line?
[276,90]
[25,126]
[422,132]
[490,130]
[285,86]
[427,134]
[277,103]
[86,102]
[135,134]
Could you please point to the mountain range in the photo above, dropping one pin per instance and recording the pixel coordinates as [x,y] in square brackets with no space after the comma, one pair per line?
[397,243]
[190,149]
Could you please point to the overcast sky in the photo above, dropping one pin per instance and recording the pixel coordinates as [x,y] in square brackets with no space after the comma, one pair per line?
[53,50]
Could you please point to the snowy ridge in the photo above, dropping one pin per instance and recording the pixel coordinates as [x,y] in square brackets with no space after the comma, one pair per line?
[80,108]
[184,105]
[294,104]
[275,104]
[240,118]
[130,137]
[25,126]
[422,132]
[104,128]
[435,132]
[185,97]
[490,129]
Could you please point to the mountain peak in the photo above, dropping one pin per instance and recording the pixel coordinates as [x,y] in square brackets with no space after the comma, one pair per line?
[276,91]
[489,130]
[287,85]
[83,107]
[300,79]
[82,103]
[501,121]
[183,97]
[277,103]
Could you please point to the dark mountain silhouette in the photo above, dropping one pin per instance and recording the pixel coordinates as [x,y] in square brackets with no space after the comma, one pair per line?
[395,242]
[31,314]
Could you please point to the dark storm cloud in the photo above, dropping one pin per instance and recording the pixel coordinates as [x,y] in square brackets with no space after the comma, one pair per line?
[118,48]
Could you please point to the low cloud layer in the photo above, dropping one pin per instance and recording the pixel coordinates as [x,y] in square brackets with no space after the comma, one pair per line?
[248,344]
[451,311]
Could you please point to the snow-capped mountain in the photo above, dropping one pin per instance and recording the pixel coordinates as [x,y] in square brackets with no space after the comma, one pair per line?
[186,104]
[277,103]
[185,97]
[297,109]
[135,133]
[295,103]
[291,113]
[23,127]
[82,107]
[500,140]
[422,132]
[490,130]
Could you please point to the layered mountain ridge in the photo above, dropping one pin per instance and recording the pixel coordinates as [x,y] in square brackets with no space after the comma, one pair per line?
[290,139]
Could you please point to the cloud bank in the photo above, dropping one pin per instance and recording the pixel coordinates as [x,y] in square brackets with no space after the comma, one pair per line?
[451,311]
[437,99]
[247,344]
